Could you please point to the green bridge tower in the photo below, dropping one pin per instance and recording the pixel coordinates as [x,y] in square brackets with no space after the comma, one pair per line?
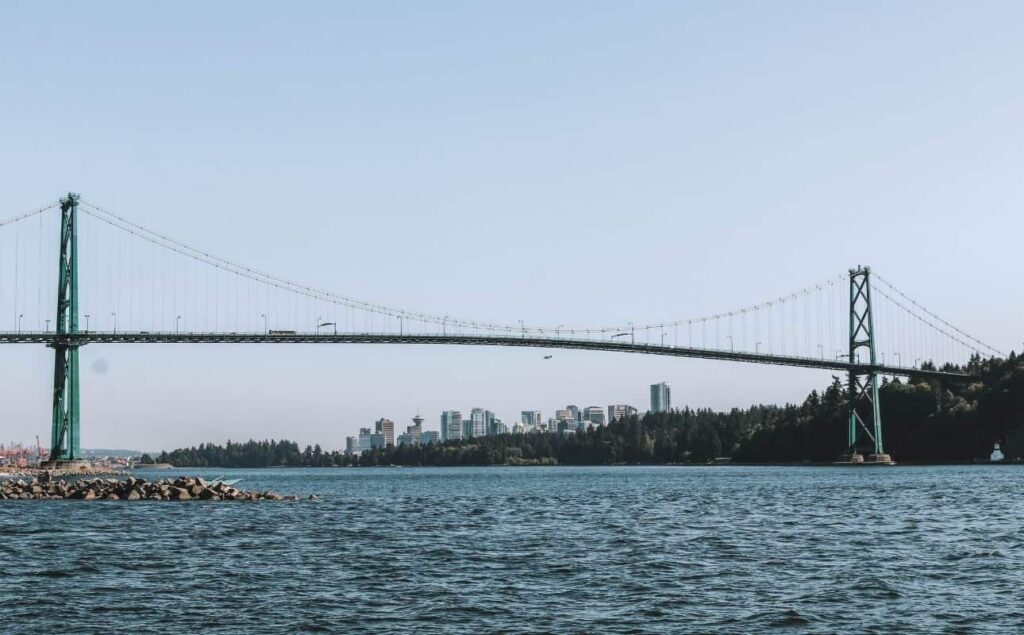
[64,441]
[865,418]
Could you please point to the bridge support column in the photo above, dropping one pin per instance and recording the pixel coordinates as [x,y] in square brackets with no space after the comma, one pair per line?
[64,441]
[865,415]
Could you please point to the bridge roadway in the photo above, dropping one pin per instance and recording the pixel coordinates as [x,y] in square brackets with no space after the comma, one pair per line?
[144,337]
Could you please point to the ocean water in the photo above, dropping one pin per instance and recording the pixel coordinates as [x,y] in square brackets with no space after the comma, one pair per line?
[533,550]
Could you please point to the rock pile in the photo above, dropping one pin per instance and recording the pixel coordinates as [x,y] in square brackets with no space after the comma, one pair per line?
[131,489]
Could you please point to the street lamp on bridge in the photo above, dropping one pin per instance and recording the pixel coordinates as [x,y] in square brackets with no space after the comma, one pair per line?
[266,328]
[177,320]
[114,313]
[86,322]
[20,315]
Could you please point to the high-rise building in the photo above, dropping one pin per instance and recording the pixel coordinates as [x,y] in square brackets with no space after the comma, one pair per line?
[429,436]
[531,418]
[365,439]
[617,412]
[351,445]
[576,414]
[661,398]
[386,427]
[594,414]
[416,429]
[565,419]
[477,424]
[495,426]
[412,433]
[451,425]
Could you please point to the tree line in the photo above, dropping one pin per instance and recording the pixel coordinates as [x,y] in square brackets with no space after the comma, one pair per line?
[924,420]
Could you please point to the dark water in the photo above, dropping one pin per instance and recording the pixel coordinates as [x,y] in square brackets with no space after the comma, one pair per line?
[534,550]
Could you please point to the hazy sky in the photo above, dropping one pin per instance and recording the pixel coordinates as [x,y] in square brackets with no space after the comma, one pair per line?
[553,162]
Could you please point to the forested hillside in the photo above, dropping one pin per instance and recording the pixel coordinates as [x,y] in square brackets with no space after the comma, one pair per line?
[924,420]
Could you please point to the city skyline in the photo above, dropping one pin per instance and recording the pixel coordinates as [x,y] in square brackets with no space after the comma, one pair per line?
[452,425]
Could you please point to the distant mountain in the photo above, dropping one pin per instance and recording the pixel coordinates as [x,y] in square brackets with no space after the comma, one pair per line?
[90,453]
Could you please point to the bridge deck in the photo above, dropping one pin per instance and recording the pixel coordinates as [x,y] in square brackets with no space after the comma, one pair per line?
[97,337]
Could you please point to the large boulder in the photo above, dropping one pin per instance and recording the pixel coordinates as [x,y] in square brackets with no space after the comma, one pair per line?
[180,494]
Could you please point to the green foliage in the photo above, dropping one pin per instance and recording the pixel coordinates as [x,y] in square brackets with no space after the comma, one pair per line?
[923,420]
[249,454]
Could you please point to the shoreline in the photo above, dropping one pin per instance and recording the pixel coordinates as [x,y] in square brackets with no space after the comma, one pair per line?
[716,464]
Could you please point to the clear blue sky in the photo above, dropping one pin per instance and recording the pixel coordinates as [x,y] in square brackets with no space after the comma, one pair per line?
[591,162]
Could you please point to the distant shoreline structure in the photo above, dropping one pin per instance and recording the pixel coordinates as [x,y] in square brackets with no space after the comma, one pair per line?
[723,463]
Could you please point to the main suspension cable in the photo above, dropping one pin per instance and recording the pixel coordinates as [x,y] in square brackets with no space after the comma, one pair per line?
[20,217]
[935,317]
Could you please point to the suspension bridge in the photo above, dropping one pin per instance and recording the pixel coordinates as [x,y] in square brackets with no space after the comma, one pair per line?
[73,273]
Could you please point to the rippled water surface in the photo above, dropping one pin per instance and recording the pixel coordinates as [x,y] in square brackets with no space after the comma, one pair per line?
[534,550]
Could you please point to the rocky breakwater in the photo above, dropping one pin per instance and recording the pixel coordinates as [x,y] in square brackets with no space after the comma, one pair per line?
[131,489]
